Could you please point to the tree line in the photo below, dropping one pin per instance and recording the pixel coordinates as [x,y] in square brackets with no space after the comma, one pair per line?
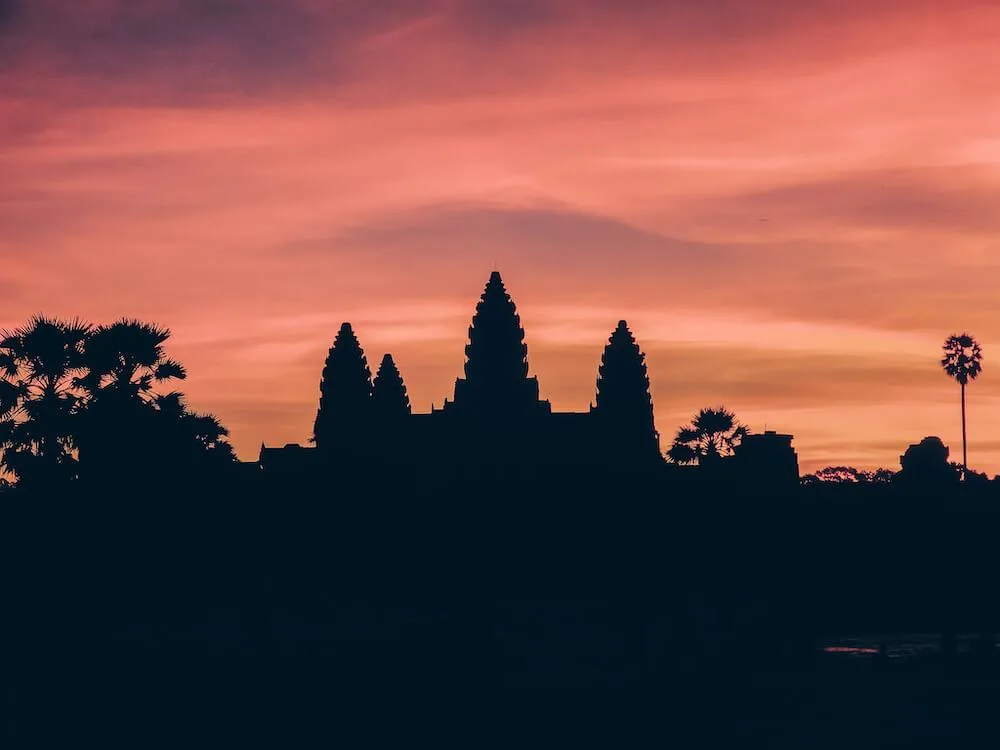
[76,397]
[716,433]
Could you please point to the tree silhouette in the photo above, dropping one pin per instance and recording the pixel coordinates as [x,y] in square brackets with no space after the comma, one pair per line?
[77,400]
[39,406]
[389,399]
[345,390]
[124,362]
[962,360]
[848,475]
[126,359]
[188,436]
[712,434]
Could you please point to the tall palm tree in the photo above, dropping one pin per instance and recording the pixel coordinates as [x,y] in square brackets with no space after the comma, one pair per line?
[39,404]
[963,361]
[712,434]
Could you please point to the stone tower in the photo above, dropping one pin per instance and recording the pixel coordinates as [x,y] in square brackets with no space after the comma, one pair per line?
[389,399]
[624,403]
[345,391]
[496,381]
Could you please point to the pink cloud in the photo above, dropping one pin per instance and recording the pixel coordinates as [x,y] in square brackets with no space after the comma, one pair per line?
[802,195]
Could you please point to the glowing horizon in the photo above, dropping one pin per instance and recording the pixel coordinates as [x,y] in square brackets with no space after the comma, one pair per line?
[792,206]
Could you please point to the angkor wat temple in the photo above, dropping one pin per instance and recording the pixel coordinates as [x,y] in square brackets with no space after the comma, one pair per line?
[496,421]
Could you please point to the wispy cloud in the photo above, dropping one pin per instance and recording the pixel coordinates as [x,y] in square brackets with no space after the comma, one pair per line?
[792,203]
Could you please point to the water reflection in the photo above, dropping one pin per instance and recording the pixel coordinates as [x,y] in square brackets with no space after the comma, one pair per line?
[898,647]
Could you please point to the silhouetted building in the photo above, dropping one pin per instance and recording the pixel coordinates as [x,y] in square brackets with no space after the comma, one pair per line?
[925,464]
[290,460]
[496,381]
[389,398]
[345,391]
[496,419]
[767,457]
[624,404]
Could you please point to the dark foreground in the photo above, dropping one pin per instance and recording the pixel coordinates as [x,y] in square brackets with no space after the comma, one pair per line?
[616,613]
[429,690]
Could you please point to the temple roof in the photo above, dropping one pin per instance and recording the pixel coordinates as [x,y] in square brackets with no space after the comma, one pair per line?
[496,368]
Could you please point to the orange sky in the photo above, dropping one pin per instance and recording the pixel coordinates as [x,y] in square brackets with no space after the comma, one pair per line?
[791,206]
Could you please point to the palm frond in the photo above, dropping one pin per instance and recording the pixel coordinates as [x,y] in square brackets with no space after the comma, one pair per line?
[687,435]
[9,366]
[170,368]
[679,453]
[10,396]
[207,427]
[713,421]
[171,404]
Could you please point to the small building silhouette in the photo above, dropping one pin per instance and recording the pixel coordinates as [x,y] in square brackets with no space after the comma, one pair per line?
[768,457]
[926,464]
[290,460]
[931,451]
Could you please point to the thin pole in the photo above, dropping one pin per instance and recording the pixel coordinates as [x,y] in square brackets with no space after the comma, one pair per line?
[965,452]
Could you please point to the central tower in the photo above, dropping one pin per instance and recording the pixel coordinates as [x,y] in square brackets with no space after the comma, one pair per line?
[496,381]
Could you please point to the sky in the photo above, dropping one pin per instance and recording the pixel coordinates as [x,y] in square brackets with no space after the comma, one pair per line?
[792,204]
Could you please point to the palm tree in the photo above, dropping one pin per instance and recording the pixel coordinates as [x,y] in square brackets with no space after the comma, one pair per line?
[712,434]
[125,362]
[963,361]
[69,390]
[39,405]
[126,359]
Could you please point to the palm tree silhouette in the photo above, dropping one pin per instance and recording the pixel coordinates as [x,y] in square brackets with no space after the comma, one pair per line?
[126,359]
[76,400]
[712,434]
[39,363]
[124,362]
[963,361]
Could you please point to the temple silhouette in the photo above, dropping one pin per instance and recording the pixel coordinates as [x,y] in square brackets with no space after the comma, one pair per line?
[496,421]
[496,417]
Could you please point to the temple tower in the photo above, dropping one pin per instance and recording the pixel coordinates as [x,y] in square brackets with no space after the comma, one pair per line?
[496,381]
[345,391]
[389,399]
[624,403]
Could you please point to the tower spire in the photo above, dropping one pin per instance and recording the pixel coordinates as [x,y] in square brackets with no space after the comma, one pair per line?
[496,369]
[345,390]
[389,399]
[623,397]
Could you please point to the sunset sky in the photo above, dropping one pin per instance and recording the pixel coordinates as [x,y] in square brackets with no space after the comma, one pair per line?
[792,203]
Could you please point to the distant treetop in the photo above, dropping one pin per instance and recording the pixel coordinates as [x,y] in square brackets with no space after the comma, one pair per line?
[712,434]
[962,358]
